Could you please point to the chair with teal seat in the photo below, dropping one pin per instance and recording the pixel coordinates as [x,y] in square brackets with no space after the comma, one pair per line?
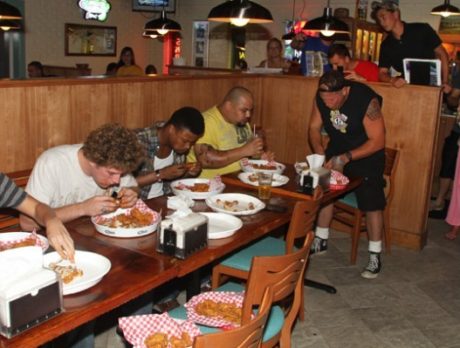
[347,213]
[237,265]
[248,335]
[284,274]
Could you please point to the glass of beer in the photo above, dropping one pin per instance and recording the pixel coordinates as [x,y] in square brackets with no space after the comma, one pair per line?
[265,184]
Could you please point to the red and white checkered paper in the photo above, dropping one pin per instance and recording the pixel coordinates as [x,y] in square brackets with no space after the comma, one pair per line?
[338,180]
[42,243]
[216,296]
[138,327]
[139,205]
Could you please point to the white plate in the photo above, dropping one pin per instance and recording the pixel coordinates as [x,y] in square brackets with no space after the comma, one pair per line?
[242,206]
[222,225]
[195,195]
[12,236]
[249,166]
[122,232]
[94,267]
[278,180]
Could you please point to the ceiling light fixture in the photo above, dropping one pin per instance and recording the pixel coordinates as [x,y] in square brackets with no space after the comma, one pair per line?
[150,34]
[240,13]
[6,25]
[8,11]
[445,10]
[162,25]
[327,25]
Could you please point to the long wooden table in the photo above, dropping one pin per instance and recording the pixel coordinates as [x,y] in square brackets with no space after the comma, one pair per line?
[137,268]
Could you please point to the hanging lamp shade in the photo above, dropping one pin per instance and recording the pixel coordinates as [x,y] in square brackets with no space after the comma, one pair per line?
[150,34]
[8,11]
[6,25]
[327,25]
[162,25]
[446,10]
[240,13]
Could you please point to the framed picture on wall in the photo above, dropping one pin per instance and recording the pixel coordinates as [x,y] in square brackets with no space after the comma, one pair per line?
[90,40]
[200,43]
[154,5]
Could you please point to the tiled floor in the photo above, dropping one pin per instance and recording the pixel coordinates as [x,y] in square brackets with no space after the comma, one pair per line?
[415,302]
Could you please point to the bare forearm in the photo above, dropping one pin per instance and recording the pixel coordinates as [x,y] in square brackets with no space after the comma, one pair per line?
[147,179]
[315,141]
[211,158]
[368,148]
[384,76]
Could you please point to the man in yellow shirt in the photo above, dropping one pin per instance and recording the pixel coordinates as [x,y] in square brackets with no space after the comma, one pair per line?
[227,137]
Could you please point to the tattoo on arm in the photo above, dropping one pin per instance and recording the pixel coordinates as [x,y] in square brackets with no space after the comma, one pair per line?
[373,110]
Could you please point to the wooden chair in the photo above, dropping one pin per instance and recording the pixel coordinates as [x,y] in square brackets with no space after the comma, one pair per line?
[346,209]
[284,274]
[238,264]
[246,336]
[10,217]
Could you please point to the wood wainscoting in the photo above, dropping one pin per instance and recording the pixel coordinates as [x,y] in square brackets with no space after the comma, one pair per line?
[39,114]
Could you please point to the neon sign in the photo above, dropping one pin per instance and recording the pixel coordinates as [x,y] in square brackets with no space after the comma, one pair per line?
[95,9]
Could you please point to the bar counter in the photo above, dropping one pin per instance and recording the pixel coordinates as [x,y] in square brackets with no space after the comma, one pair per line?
[39,114]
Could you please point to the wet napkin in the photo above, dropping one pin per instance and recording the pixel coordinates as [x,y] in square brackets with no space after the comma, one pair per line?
[138,327]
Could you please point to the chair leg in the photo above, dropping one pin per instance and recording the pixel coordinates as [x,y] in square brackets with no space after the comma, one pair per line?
[215,279]
[302,305]
[355,235]
[387,230]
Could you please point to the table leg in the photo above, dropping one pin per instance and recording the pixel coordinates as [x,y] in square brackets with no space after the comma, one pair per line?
[193,284]
[321,286]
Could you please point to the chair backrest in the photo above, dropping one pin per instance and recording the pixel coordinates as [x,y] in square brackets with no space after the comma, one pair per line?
[391,164]
[303,219]
[248,335]
[283,273]
[9,217]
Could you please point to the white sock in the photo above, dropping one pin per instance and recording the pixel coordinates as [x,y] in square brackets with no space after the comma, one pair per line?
[375,247]
[322,232]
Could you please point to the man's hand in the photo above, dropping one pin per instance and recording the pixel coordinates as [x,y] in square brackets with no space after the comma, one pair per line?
[60,239]
[193,168]
[255,147]
[446,88]
[173,172]
[353,76]
[398,82]
[268,156]
[128,197]
[100,205]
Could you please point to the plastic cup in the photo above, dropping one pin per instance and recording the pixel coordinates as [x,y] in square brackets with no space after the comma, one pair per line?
[265,185]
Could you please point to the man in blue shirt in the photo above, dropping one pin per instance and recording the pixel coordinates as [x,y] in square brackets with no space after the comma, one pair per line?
[306,43]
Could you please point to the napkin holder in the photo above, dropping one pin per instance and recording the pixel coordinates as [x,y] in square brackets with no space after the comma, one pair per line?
[182,236]
[320,176]
[28,301]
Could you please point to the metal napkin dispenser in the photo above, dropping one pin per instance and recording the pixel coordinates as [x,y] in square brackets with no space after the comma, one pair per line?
[29,298]
[182,236]
[321,176]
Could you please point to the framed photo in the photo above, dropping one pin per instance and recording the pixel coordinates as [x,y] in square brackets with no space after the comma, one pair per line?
[200,43]
[154,5]
[90,40]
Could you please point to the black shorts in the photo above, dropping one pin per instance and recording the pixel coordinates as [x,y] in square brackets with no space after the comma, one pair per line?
[449,156]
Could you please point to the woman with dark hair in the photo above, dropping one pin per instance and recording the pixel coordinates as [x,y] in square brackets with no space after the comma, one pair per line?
[127,64]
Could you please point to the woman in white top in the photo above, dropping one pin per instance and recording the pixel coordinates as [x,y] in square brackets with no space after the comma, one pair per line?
[275,57]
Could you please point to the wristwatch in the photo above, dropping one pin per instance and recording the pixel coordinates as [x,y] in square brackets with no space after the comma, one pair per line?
[349,156]
[158,177]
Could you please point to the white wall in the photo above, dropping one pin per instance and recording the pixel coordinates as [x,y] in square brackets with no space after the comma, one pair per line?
[45,21]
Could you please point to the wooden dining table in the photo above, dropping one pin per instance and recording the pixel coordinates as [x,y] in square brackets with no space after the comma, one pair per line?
[138,268]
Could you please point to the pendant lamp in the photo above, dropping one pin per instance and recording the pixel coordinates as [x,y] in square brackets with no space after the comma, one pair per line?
[240,13]
[6,25]
[162,25]
[8,11]
[446,10]
[150,34]
[327,25]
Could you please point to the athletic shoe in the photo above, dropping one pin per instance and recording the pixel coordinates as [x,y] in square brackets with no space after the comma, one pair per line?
[373,267]
[319,246]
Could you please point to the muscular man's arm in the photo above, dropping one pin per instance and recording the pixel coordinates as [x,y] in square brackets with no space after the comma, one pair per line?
[441,53]
[212,158]
[314,130]
[375,130]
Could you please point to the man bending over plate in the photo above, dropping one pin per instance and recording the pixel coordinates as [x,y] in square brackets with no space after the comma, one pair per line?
[77,180]
[167,143]
[12,196]
[351,115]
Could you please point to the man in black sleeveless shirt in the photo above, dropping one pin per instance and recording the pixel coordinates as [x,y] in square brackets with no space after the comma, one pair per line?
[351,115]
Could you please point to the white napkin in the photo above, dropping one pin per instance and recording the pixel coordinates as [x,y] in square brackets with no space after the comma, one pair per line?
[181,204]
[315,161]
[19,263]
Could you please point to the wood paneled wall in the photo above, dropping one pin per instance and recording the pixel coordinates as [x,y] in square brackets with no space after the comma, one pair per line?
[36,115]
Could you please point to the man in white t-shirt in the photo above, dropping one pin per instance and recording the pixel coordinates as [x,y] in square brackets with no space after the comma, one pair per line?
[78,180]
